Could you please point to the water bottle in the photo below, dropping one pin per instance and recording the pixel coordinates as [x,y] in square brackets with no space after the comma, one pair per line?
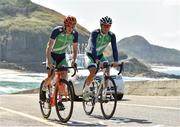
[52,90]
[53,82]
[97,86]
[43,87]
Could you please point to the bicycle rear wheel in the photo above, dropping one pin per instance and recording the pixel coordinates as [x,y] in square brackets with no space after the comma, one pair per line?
[64,101]
[108,98]
[44,101]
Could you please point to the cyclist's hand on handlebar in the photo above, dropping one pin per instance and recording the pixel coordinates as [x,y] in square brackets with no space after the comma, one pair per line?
[115,64]
[97,61]
[101,65]
[50,65]
[73,64]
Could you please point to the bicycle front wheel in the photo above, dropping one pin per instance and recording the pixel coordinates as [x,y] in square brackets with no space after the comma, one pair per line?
[44,101]
[64,101]
[108,98]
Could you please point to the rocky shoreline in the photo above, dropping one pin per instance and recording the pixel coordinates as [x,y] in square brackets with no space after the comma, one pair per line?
[136,68]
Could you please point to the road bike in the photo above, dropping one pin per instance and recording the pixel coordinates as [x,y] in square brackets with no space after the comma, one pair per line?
[58,93]
[103,90]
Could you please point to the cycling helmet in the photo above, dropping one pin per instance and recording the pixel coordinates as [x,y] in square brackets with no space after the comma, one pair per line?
[70,20]
[106,20]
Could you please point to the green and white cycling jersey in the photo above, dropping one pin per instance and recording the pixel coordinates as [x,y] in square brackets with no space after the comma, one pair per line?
[98,42]
[62,41]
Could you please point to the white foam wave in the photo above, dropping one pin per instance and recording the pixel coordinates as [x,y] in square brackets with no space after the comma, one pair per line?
[24,77]
[6,90]
[166,69]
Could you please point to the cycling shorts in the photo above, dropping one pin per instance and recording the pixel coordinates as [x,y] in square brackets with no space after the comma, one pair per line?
[59,59]
[91,62]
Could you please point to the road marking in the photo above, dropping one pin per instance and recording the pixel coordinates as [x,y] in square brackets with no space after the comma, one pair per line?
[44,120]
[31,117]
[152,106]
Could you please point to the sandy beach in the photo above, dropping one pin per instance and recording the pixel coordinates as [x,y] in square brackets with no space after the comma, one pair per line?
[153,88]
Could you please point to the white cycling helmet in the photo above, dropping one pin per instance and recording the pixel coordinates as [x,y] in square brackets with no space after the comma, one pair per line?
[106,20]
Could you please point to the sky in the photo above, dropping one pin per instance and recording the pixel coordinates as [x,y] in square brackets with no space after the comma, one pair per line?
[158,21]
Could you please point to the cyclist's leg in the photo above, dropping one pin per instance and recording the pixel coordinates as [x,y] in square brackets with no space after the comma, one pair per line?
[90,77]
[48,80]
[91,65]
[62,74]
[50,74]
[61,61]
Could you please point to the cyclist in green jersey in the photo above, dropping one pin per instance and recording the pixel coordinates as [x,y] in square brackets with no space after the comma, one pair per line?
[60,38]
[98,41]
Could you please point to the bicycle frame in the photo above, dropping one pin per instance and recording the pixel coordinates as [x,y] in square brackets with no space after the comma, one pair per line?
[59,86]
[57,73]
[105,75]
[100,84]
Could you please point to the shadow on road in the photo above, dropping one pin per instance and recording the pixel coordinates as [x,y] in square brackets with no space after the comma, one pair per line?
[76,123]
[123,120]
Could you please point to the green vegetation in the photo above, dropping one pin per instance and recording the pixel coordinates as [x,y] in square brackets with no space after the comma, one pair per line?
[23,15]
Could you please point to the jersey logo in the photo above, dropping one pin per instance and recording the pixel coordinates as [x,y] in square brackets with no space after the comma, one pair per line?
[100,48]
[60,49]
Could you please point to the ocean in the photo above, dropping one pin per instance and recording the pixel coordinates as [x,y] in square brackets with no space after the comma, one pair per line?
[11,82]
[15,82]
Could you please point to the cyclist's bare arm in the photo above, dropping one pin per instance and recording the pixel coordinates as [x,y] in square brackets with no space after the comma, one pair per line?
[48,52]
[74,52]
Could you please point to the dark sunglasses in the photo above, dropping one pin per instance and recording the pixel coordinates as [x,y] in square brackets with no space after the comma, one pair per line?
[106,25]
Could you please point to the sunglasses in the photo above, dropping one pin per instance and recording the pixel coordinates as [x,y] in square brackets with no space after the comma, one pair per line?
[69,26]
[106,25]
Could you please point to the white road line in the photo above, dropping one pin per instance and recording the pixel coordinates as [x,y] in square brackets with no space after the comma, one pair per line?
[152,106]
[31,117]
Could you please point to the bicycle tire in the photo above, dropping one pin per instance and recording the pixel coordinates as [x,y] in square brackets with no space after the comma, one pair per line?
[70,105]
[109,96]
[42,103]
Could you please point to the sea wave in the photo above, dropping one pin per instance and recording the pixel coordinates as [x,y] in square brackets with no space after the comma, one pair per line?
[13,87]
[166,69]
[8,89]
[25,77]
[12,83]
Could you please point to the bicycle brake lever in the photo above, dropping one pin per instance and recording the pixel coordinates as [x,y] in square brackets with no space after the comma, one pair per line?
[121,68]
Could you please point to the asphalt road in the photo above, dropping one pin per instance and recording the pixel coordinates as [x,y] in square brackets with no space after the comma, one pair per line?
[133,111]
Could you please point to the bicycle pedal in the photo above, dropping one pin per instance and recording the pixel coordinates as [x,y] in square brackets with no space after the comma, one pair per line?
[91,88]
[48,100]
[41,102]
